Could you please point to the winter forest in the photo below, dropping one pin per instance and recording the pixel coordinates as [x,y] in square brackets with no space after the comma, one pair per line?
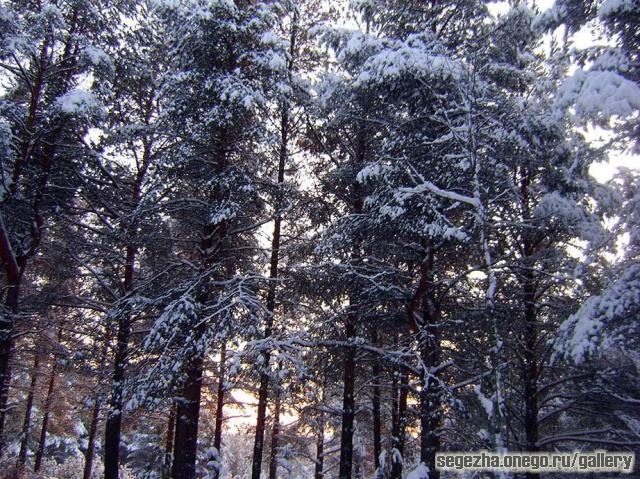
[313,239]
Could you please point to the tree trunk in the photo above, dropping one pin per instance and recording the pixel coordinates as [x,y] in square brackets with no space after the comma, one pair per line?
[13,270]
[530,369]
[258,444]
[15,265]
[431,394]
[26,424]
[348,404]
[47,410]
[375,405]
[400,426]
[113,426]
[395,396]
[217,438]
[112,430]
[217,435]
[187,415]
[168,449]
[275,433]
[93,428]
[320,450]
[6,338]
[263,392]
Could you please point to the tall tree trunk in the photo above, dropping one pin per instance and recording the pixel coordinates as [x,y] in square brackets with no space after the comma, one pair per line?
[530,368]
[217,435]
[400,426]
[185,447]
[261,416]
[395,397]
[263,391]
[91,445]
[14,270]
[14,279]
[431,393]
[275,433]
[168,448]
[47,408]
[113,426]
[26,424]
[187,416]
[348,404]
[320,450]
[15,264]
[375,404]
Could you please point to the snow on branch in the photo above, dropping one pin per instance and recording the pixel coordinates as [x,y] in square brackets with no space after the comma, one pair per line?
[405,193]
[597,324]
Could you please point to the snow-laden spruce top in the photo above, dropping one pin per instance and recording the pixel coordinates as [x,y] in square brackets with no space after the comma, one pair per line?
[386,59]
[411,58]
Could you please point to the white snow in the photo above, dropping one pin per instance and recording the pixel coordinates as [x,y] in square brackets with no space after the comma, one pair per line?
[610,7]
[420,472]
[585,332]
[550,17]
[371,170]
[78,102]
[97,56]
[269,38]
[599,94]
[404,193]
[277,62]
[407,59]
[571,215]
[486,403]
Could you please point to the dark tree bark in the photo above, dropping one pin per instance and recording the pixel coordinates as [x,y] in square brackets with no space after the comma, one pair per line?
[168,449]
[375,404]
[319,474]
[113,426]
[13,269]
[263,390]
[188,405]
[47,408]
[398,439]
[395,397]
[258,444]
[431,393]
[530,366]
[423,316]
[14,279]
[91,445]
[529,338]
[26,423]
[275,433]
[187,416]
[15,262]
[217,437]
[348,403]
